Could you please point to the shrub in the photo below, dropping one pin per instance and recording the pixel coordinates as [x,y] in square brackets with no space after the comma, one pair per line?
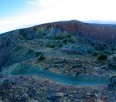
[41,58]
[37,54]
[102,57]
[95,54]
[66,37]
[65,41]
[23,33]
[113,48]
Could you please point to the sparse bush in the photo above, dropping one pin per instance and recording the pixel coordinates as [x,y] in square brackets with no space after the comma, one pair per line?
[41,32]
[65,41]
[113,48]
[102,57]
[23,33]
[41,58]
[58,37]
[95,54]
[30,51]
[37,54]
[65,37]
[72,39]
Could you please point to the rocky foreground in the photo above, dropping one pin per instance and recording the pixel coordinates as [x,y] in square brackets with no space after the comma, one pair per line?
[34,89]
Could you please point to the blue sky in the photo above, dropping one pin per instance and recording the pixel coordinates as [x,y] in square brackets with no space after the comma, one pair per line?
[11,7]
[16,14]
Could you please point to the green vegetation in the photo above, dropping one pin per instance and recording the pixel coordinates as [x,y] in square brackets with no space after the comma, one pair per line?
[41,32]
[95,54]
[30,51]
[54,44]
[65,41]
[102,57]
[23,33]
[37,54]
[65,37]
[41,58]
[113,48]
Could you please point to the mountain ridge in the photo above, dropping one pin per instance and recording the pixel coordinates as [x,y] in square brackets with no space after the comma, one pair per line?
[100,32]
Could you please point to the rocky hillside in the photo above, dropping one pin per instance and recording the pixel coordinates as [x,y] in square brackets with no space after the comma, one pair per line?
[99,32]
[61,49]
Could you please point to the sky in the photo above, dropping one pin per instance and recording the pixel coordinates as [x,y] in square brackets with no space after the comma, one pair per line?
[15,14]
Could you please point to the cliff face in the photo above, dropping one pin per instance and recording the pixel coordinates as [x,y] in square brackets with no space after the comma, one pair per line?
[100,32]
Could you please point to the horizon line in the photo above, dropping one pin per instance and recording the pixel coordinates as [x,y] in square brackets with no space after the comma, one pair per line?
[83,21]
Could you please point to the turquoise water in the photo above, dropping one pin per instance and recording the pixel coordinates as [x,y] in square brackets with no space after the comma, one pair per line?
[69,80]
